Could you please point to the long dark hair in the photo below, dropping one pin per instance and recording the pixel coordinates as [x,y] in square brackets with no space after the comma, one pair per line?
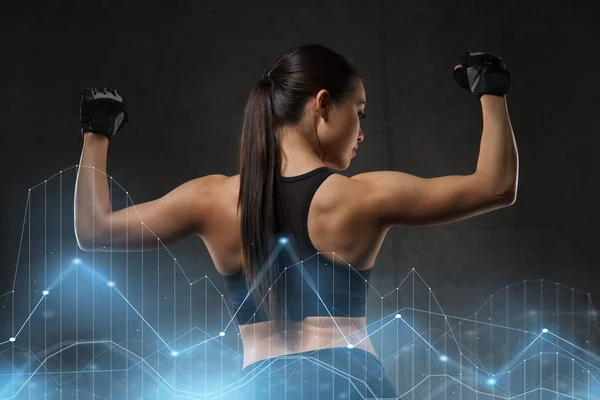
[277,99]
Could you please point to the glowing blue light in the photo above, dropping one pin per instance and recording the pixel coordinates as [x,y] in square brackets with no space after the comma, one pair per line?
[76,261]
[350,346]
[491,382]
[544,330]
[110,284]
[174,353]
[398,315]
[12,339]
[443,358]
[283,240]
[221,333]
[45,293]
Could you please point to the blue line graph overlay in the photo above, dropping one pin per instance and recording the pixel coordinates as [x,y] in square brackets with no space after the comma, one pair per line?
[94,325]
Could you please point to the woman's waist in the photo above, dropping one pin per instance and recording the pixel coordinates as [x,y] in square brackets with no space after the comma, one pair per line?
[314,333]
[276,357]
[311,325]
[320,329]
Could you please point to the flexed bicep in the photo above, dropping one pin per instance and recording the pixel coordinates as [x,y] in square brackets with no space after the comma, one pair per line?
[180,213]
[176,215]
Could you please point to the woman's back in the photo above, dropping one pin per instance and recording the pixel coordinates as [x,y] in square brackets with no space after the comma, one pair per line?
[335,224]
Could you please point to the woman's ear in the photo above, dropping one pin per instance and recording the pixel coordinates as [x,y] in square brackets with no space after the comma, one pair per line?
[323,103]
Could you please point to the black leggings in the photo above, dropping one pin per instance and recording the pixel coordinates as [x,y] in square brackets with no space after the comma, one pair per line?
[333,373]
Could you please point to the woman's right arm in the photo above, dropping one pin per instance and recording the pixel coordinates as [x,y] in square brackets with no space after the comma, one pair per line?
[396,198]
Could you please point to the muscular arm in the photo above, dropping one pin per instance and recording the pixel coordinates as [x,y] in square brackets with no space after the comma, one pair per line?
[180,213]
[396,198]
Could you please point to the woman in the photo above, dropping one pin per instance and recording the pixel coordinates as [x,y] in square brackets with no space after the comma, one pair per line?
[298,236]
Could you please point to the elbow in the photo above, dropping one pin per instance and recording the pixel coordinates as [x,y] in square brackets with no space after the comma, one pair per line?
[83,242]
[505,191]
[89,238]
[509,194]
[87,241]
[510,199]
[507,197]
[82,235]
[83,248]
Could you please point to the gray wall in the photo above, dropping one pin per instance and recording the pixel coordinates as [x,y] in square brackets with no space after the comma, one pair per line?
[186,69]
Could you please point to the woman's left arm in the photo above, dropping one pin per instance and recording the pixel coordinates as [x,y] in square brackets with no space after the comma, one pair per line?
[180,213]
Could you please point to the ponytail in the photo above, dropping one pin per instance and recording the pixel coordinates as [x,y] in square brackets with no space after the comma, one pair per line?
[261,203]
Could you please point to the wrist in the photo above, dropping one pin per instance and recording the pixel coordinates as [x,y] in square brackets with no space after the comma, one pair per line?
[94,137]
[492,99]
[492,96]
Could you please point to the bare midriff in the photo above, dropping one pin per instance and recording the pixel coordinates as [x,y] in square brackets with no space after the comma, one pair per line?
[261,342]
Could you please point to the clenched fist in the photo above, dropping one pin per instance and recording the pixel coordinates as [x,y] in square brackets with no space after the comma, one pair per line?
[101,111]
[482,73]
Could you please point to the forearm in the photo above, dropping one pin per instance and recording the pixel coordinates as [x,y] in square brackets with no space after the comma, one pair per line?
[498,160]
[92,201]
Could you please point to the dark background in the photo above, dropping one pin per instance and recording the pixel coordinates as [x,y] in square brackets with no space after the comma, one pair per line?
[186,69]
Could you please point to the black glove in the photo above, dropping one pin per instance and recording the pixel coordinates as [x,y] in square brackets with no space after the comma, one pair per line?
[101,111]
[482,73]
